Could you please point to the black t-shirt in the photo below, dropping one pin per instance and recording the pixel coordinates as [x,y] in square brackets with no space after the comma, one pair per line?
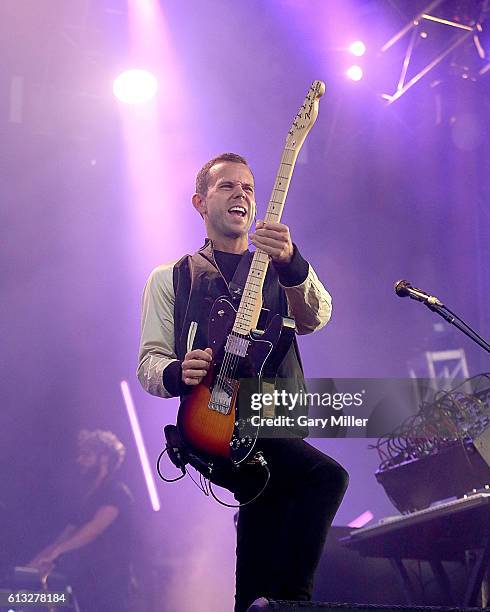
[227,263]
[104,565]
[291,274]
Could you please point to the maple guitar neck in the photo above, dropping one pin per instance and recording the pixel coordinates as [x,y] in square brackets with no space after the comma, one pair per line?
[251,301]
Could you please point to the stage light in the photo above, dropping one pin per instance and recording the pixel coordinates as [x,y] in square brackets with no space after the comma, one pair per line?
[357,48]
[135,86]
[361,520]
[354,73]
[140,445]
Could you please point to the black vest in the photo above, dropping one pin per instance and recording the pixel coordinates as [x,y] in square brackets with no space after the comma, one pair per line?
[198,283]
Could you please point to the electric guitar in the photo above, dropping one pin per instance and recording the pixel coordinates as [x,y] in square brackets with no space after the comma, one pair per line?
[209,416]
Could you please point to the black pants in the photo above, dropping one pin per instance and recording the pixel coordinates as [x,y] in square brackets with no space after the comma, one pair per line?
[280,536]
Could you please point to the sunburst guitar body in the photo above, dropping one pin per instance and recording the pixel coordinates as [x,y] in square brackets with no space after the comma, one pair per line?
[209,417]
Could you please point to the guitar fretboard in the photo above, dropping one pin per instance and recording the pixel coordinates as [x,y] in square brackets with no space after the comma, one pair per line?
[250,304]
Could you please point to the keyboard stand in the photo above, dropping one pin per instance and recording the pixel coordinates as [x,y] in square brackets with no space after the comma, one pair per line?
[440,576]
[451,531]
[477,582]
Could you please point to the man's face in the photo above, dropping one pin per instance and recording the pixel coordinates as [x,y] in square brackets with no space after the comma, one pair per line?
[229,205]
[88,462]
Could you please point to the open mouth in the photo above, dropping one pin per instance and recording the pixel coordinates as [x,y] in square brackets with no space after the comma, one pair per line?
[237,211]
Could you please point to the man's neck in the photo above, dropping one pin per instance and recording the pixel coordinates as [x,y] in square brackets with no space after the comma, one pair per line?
[230,245]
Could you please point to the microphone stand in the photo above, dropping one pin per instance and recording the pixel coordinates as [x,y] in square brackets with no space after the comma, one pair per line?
[453,318]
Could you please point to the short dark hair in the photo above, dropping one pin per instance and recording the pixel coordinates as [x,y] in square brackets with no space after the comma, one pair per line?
[203,174]
[103,443]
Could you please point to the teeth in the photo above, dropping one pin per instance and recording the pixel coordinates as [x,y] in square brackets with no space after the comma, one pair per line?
[239,209]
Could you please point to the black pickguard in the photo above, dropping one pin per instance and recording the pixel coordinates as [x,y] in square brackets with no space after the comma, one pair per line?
[265,352]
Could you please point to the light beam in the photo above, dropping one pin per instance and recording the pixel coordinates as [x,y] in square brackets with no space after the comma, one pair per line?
[140,445]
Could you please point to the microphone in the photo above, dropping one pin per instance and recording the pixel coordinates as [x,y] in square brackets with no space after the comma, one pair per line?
[403,288]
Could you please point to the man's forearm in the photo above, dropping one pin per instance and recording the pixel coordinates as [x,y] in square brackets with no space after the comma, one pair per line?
[83,536]
[48,550]
[88,532]
[309,302]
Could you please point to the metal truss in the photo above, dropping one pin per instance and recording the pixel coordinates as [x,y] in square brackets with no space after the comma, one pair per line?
[462,32]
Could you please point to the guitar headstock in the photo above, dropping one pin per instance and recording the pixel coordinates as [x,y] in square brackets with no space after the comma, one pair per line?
[306,116]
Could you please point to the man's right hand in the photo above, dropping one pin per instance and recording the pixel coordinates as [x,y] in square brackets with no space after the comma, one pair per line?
[42,565]
[196,365]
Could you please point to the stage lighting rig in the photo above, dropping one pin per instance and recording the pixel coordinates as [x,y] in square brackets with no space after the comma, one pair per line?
[459,24]
[357,48]
[135,86]
[354,73]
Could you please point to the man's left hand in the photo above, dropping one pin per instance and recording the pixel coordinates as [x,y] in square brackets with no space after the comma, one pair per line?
[274,239]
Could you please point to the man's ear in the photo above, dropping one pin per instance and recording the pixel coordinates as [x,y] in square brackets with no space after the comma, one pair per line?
[199,204]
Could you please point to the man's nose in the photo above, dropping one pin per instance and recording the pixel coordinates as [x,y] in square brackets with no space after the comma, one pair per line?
[239,192]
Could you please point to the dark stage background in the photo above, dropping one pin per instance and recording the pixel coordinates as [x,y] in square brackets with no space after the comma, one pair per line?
[93,195]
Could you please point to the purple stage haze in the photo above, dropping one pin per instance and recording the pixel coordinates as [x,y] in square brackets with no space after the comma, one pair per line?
[94,195]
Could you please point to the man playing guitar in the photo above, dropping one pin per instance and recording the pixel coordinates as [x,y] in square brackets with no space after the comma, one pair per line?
[280,535]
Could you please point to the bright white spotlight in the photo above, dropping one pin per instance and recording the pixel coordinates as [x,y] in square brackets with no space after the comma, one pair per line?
[354,73]
[140,445]
[135,86]
[357,48]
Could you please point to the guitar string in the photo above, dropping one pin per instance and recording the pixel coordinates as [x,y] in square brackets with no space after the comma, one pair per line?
[236,358]
[230,363]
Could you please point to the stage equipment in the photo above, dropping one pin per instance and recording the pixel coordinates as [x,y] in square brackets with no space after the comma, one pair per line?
[440,452]
[439,369]
[344,575]
[461,19]
[444,532]
[312,606]
[28,579]
[404,289]
[135,86]
[140,445]
[357,48]
[355,73]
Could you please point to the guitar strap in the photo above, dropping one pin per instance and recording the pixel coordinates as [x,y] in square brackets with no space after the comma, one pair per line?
[237,283]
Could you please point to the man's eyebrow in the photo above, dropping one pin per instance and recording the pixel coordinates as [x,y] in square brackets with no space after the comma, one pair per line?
[222,181]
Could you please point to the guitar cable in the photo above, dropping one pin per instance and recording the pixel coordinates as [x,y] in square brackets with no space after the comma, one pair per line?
[182,467]
[205,484]
[222,503]
[202,485]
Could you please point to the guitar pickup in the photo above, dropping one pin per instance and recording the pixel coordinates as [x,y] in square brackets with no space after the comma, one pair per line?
[237,345]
